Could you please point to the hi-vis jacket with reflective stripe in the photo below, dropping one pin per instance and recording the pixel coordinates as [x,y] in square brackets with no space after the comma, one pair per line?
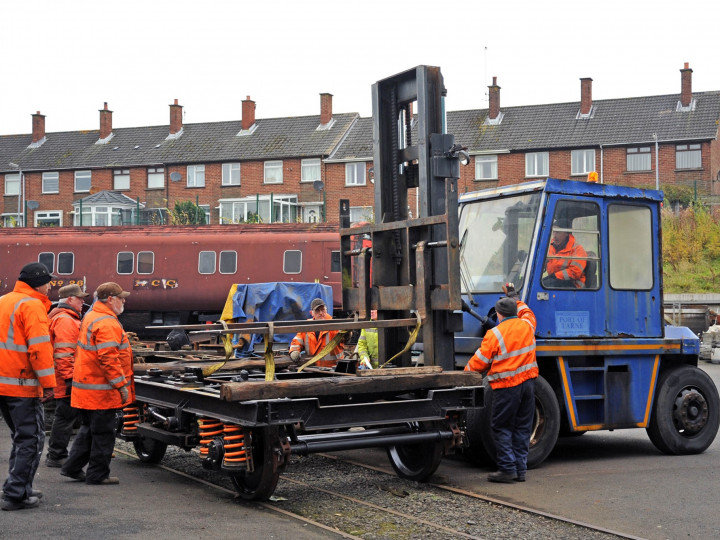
[568,268]
[64,328]
[26,362]
[524,312]
[507,353]
[103,362]
[313,344]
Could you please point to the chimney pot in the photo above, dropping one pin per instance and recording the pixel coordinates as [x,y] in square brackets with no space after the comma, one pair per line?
[248,113]
[38,127]
[686,85]
[585,95]
[325,108]
[105,122]
[176,123]
[494,95]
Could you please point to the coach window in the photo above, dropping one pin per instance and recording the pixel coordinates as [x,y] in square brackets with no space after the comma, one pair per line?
[630,255]
[125,262]
[206,262]
[145,262]
[335,262]
[292,262]
[48,259]
[228,262]
[66,263]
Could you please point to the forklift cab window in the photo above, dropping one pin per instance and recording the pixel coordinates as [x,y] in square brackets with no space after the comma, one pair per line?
[573,252]
[630,244]
[495,241]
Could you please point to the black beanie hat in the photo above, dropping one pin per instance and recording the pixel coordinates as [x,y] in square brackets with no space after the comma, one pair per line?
[507,307]
[35,274]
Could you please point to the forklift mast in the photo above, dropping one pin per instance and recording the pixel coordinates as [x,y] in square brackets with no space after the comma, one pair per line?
[415,259]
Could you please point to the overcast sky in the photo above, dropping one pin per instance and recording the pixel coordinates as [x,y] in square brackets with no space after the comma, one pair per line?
[65,58]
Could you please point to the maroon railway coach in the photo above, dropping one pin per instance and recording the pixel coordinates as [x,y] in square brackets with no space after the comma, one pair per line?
[177,274]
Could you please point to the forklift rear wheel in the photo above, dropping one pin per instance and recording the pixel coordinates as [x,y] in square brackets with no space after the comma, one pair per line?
[546,426]
[684,416]
[149,450]
[261,482]
[417,461]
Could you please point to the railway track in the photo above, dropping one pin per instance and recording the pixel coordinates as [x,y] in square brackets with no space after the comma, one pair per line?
[355,500]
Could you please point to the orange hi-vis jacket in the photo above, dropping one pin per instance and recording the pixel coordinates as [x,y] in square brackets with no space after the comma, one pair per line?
[524,312]
[64,329]
[26,362]
[507,353]
[103,362]
[313,344]
[568,268]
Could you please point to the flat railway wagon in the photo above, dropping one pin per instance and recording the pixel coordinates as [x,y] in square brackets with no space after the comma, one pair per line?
[177,274]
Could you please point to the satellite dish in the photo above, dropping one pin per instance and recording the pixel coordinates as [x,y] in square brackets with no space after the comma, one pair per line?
[32,205]
[175,176]
[318,185]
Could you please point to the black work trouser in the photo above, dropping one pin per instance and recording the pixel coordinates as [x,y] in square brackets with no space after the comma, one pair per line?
[26,419]
[93,445]
[62,429]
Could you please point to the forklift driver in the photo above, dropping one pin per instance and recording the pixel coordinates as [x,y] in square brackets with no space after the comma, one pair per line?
[566,260]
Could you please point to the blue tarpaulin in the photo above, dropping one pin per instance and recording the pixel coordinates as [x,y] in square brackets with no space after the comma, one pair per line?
[277,301]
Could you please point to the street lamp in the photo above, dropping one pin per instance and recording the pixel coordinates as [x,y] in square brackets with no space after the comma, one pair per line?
[21,191]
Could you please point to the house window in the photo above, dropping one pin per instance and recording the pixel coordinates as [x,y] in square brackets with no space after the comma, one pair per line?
[361,213]
[638,159]
[292,261]
[486,168]
[273,172]
[582,161]
[206,262]
[228,262]
[50,218]
[11,220]
[155,177]
[355,174]
[688,156]
[51,182]
[206,209]
[231,174]
[12,184]
[83,181]
[145,262]
[284,209]
[98,216]
[196,176]
[66,263]
[125,262]
[310,170]
[537,164]
[121,179]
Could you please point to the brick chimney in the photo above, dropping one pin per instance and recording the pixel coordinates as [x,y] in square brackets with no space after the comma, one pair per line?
[38,127]
[494,95]
[686,85]
[585,95]
[248,113]
[105,122]
[325,108]
[176,124]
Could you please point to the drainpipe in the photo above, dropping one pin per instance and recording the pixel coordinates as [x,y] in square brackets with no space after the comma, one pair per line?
[657,161]
[602,163]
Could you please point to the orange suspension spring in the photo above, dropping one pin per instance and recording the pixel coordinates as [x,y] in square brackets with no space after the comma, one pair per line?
[207,429]
[234,445]
[131,418]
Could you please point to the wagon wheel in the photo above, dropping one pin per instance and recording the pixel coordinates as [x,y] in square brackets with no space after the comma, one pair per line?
[417,461]
[149,450]
[684,416]
[261,482]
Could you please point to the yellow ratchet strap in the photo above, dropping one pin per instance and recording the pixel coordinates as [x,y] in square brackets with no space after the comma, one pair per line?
[329,347]
[411,340]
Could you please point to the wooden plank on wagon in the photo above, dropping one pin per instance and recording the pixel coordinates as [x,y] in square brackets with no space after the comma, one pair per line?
[420,370]
[248,363]
[328,386]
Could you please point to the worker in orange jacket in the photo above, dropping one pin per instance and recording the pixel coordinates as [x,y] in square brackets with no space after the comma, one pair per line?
[26,376]
[64,330]
[507,354]
[102,384]
[566,260]
[313,342]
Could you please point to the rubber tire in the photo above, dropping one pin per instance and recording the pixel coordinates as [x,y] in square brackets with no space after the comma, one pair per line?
[417,461]
[149,450]
[260,484]
[545,433]
[662,430]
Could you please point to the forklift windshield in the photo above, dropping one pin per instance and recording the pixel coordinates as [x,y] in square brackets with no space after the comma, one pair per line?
[496,236]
